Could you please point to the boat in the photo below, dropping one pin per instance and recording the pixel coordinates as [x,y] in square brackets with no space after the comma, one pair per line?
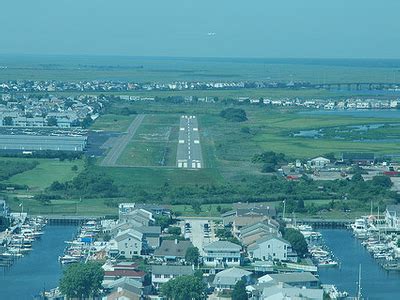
[328,263]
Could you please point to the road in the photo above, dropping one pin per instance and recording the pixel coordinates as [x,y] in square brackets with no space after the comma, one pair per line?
[120,144]
[189,149]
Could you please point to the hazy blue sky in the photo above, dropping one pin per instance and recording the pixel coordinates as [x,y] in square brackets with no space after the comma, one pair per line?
[244,28]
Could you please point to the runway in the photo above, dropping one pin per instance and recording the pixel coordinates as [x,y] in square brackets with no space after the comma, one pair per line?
[120,144]
[189,153]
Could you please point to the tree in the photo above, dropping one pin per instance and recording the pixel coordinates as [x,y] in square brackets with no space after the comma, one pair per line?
[52,121]
[239,292]
[183,288]
[192,255]
[382,181]
[174,230]
[8,121]
[82,280]
[296,239]
[74,168]
[234,114]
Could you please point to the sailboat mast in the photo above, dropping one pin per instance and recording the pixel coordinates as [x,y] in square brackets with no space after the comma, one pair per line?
[359,283]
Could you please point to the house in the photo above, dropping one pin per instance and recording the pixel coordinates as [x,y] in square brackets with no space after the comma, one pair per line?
[392,216]
[283,291]
[297,279]
[129,213]
[151,234]
[113,272]
[172,250]
[163,273]
[249,234]
[154,209]
[124,288]
[127,244]
[318,162]
[248,209]
[221,254]
[243,221]
[270,247]
[226,279]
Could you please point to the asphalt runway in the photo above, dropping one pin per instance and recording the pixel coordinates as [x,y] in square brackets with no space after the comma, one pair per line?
[121,142]
[189,149]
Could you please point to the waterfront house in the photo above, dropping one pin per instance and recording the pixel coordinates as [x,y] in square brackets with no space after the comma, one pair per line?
[284,291]
[248,210]
[297,279]
[226,279]
[163,273]
[270,247]
[249,234]
[127,244]
[128,212]
[222,254]
[172,250]
[392,216]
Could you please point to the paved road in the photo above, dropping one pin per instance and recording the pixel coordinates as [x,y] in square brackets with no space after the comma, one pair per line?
[189,149]
[120,144]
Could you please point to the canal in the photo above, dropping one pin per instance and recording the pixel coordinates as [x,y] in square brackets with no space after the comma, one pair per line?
[39,269]
[375,281]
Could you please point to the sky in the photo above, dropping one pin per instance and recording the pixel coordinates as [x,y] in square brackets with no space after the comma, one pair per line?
[202,28]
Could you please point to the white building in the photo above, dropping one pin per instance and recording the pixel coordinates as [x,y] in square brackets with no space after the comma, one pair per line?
[163,273]
[222,253]
[318,162]
[270,247]
[127,244]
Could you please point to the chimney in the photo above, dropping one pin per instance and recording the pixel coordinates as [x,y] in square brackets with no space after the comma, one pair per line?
[176,241]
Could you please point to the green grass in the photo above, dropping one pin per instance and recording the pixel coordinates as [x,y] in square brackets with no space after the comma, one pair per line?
[48,171]
[154,143]
[156,177]
[84,207]
[110,122]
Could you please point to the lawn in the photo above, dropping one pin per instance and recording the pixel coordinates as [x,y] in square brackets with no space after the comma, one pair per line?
[154,143]
[110,122]
[46,172]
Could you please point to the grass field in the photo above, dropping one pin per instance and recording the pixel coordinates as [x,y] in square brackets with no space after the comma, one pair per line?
[46,172]
[110,122]
[154,144]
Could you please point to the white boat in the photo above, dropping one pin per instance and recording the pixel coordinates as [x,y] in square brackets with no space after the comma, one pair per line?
[328,263]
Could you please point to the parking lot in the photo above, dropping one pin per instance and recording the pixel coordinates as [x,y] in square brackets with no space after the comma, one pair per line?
[200,232]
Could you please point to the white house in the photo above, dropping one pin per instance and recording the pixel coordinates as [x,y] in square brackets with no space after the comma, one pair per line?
[270,247]
[222,253]
[163,273]
[128,243]
[228,278]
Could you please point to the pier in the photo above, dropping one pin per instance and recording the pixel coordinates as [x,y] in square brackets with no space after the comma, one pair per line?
[326,223]
[69,220]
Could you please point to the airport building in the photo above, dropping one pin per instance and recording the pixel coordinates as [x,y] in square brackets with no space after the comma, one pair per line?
[41,142]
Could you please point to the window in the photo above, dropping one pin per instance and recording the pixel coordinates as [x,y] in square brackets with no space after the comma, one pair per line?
[236,259]
[269,246]
[157,276]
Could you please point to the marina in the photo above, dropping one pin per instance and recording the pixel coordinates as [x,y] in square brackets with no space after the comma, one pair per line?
[18,282]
